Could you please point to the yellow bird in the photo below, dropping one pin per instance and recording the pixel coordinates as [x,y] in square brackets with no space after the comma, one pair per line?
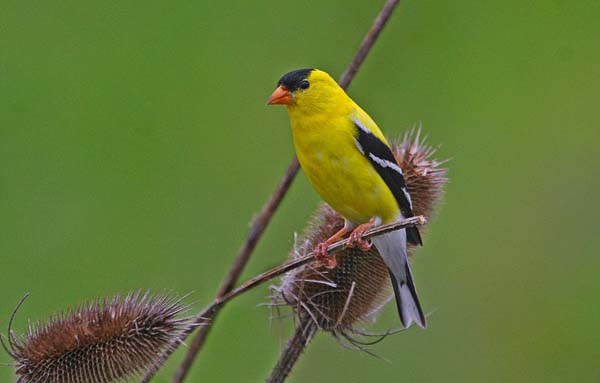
[349,162]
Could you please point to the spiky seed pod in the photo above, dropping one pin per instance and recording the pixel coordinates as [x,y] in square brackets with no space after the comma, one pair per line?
[106,341]
[336,300]
[424,176]
[323,294]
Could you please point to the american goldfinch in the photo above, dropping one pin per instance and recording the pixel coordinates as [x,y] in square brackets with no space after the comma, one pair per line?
[349,162]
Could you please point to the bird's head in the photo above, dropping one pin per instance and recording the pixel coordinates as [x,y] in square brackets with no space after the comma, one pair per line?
[308,91]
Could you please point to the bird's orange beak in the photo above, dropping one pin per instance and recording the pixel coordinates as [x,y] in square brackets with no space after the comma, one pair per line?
[280,96]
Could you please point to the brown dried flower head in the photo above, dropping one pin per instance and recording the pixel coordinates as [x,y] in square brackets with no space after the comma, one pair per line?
[108,340]
[336,300]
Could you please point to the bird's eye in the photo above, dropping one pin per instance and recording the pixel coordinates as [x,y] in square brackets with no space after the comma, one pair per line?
[304,84]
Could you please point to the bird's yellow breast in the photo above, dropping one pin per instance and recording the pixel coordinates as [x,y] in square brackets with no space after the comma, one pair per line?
[344,178]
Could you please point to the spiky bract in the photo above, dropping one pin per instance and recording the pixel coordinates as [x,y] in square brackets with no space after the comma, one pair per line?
[109,340]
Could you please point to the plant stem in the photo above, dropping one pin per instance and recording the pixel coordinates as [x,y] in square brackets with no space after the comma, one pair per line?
[305,331]
[367,43]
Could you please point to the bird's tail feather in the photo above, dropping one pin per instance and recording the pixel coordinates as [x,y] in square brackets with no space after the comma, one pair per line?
[413,236]
[392,247]
[407,303]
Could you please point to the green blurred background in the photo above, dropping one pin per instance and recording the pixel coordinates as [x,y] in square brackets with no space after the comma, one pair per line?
[136,146]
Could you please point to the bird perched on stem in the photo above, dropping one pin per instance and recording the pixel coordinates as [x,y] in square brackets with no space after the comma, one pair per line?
[349,162]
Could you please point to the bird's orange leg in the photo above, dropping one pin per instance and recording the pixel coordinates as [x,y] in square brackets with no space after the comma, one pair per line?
[355,238]
[320,250]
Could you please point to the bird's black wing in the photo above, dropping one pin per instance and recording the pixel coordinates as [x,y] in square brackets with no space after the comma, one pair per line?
[381,157]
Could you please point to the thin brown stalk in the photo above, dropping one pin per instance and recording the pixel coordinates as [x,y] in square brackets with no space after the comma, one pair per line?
[260,223]
[257,229]
[305,331]
[367,43]
[209,311]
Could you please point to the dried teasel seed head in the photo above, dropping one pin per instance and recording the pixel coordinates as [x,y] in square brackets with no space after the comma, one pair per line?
[336,300]
[424,176]
[324,294]
[107,340]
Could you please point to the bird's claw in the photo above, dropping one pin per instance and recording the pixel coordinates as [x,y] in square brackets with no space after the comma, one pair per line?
[361,244]
[322,256]
[355,240]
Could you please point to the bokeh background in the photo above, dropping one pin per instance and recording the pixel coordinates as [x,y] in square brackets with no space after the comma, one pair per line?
[135,147]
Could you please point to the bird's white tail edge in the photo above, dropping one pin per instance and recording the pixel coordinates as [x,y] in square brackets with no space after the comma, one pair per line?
[392,247]
[410,308]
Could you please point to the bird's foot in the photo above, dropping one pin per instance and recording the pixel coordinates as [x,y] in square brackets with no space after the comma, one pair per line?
[322,255]
[356,237]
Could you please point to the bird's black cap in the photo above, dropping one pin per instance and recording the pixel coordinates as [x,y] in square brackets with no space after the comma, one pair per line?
[292,80]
